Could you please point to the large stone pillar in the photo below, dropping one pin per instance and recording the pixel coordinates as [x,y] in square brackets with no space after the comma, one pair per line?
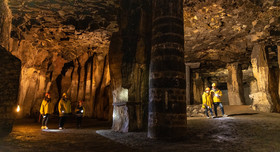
[235,85]
[189,66]
[262,100]
[9,84]
[167,87]
[197,89]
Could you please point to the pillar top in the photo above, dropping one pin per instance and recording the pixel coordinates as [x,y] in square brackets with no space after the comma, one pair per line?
[193,65]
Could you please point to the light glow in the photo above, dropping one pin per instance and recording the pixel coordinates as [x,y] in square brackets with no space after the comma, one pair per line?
[51,130]
[18,108]
[123,95]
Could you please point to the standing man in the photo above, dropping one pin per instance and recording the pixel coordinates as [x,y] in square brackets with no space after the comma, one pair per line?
[80,113]
[64,109]
[207,102]
[217,94]
[45,110]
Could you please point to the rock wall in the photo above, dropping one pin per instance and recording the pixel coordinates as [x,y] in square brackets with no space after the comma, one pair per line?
[9,82]
[63,47]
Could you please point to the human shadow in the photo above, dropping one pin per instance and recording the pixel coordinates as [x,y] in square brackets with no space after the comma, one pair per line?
[242,114]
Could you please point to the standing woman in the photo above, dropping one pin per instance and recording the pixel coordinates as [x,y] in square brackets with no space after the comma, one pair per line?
[45,110]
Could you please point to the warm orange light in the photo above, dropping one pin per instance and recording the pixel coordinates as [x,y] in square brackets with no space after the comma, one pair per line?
[18,108]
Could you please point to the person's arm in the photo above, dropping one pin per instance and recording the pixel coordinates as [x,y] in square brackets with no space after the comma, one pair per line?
[220,93]
[42,108]
[59,107]
[203,100]
[83,111]
[70,110]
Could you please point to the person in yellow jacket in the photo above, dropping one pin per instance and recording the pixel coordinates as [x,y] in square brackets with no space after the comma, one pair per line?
[217,94]
[45,110]
[80,113]
[207,102]
[64,109]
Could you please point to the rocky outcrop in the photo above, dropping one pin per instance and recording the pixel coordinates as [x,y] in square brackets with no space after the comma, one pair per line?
[235,84]
[9,80]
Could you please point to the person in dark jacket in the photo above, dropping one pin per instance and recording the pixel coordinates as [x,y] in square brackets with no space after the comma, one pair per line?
[80,113]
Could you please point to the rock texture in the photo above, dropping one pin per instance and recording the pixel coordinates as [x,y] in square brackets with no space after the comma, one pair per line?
[5,23]
[263,99]
[195,111]
[218,33]
[63,47]
[9,80]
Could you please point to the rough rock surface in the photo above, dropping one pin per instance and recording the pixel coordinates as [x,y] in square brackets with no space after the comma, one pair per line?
[63,47]
[9,80]
[195,111]
[218,33]
[263,98]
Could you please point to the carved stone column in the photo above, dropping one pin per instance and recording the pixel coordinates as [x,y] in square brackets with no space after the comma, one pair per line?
[167,87]
[262,100]
[235,85]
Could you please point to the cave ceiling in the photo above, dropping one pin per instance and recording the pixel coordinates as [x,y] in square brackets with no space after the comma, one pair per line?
[218,32]
[64,28]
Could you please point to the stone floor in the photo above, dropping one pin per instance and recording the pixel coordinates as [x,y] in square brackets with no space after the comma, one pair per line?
[244,130]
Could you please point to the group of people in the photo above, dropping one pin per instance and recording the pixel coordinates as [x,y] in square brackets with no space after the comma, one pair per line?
[64,109]
[210,98]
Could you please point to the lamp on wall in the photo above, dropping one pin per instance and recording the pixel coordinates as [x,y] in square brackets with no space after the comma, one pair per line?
[18,108]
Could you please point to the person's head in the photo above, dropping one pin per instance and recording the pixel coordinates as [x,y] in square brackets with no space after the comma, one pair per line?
[214,85]
[47,95]
[207,90]
[80,103]
[64,96]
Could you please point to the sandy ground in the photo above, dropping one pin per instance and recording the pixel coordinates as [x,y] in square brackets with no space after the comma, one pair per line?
[244,130]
